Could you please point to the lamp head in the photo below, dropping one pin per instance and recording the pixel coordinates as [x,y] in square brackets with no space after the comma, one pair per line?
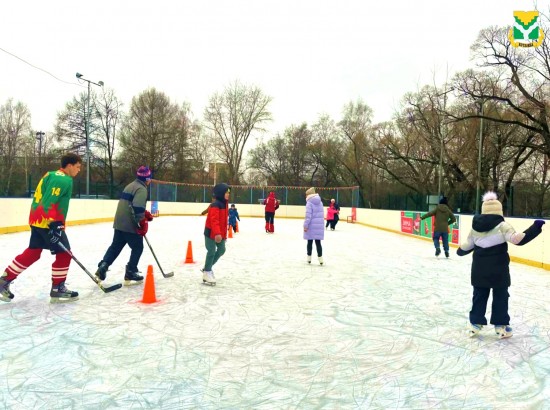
[100,83]
[78,75]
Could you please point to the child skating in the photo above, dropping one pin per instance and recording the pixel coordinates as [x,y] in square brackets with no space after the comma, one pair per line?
[443,218]
[233,217]
[490,264]
[215,231]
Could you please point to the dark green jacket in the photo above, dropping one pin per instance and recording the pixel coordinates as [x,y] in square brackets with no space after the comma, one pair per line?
[443,218]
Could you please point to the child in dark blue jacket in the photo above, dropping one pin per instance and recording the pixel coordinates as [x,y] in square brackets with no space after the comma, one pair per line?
[233,217]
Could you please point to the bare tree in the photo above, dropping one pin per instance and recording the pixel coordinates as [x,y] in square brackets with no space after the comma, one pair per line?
[15,120]
[356,129]
[287,159]
[233,116]
[152,132]
[517,79]
[108,115]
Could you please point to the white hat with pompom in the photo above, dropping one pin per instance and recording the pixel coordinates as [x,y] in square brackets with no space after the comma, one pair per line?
[491,205]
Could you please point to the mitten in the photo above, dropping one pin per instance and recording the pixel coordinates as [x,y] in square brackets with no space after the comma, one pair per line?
[461,252]
[148,216]
[539,223]
[143,227]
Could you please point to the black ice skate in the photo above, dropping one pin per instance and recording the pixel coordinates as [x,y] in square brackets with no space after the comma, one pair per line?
[60,294]
[132,277]
[101,272]
[5,294]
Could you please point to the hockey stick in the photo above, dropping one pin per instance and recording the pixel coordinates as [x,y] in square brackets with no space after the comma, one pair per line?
[96,280]
[132,212]
[166,275]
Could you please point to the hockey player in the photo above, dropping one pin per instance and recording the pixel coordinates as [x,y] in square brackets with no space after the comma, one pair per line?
[130,225]
[47,221]
[215,231]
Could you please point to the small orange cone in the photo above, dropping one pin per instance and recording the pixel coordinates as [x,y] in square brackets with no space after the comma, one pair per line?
[189,256]
[149,295]
[230,232]
[236,226]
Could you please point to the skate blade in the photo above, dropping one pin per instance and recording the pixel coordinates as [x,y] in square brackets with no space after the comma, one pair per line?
[63,300]
[5,299]
[132,282]
[204,282]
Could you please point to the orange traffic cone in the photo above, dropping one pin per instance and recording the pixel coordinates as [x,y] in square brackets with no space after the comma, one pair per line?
[230,232]
[236,226]
[149,295]
[189,256]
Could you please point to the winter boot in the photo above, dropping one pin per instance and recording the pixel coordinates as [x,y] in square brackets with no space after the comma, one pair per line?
[320,260]
[503,332]
[267,227]
[437,252]
[446,254]
[208,277]
[101,272]
[132,277]
[60,294]
[5,293]
[474,329]
[308,258]
[271,228]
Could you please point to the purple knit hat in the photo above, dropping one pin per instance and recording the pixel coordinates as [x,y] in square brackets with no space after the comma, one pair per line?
[143,173]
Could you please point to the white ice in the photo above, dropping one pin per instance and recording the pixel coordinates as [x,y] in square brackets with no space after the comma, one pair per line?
[381,325]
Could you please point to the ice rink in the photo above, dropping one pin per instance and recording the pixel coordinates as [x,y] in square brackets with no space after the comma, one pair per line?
[382,325]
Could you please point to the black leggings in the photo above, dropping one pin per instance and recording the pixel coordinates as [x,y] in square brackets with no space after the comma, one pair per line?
[317,245]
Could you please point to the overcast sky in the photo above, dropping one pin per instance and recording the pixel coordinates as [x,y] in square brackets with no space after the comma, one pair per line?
[311,56]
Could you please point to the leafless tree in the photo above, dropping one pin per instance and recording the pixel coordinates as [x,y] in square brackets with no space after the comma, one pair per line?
[15,120]
[233,116]
[153,133]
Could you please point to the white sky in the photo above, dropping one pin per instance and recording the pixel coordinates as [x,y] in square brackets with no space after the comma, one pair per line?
[311,56]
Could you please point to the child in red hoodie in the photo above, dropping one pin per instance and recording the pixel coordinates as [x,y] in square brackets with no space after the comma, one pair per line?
[215,231]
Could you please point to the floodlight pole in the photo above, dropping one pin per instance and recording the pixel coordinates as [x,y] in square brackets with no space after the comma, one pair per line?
[86,129]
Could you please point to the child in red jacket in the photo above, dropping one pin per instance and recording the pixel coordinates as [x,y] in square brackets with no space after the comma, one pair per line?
[271,205]
[215,231]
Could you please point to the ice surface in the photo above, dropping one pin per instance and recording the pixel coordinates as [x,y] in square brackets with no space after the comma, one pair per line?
[381,325]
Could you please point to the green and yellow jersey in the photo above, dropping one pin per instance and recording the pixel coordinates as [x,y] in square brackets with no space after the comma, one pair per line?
[51,199]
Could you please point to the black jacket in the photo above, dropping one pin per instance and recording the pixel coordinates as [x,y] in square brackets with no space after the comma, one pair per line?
[488,240]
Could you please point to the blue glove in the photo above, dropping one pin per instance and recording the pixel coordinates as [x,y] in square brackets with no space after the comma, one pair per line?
[55,233]
[539,223]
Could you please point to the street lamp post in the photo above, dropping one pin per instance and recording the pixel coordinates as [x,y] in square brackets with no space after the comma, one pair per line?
[86,128]
[478,185]
[39,136]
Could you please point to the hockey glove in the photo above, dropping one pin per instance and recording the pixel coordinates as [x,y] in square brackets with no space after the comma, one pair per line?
[148,216]
[143,227]
[55,233]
